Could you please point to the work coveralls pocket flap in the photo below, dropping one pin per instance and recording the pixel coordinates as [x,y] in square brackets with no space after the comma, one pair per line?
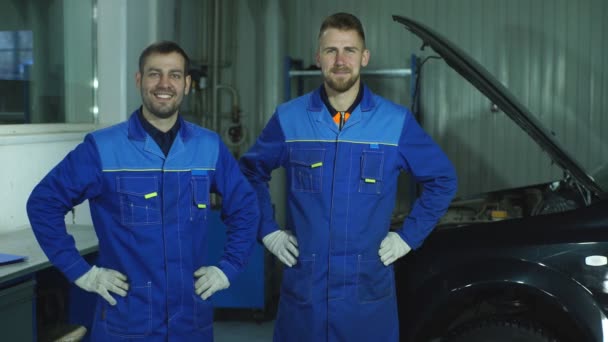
[203,313]
[306,166]
[200,197]
[132,315]
[374,280]
[372,164]
[139,200]
[297,280]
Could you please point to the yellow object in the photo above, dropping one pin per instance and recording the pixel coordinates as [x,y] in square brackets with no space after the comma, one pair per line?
[150,195]
[369,180]
[316,165]
[202,206]
[498,214]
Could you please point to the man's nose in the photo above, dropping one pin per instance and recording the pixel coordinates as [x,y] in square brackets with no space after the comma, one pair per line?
[164,81]
[340,58]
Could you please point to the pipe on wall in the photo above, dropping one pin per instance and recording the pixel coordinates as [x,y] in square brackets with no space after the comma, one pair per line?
[215,66]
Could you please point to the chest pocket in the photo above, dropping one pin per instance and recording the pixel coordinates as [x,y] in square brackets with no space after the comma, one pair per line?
[372,164]
[139,200]
[200,196]
[306,169]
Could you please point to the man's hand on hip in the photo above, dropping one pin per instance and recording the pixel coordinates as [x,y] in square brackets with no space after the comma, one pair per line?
[392,248]
[210,280]
[103,281]
[284,245]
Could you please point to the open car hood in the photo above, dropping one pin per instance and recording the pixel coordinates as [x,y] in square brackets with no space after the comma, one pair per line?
[481,79]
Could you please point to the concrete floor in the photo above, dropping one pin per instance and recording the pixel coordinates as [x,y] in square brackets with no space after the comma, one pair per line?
[238,331]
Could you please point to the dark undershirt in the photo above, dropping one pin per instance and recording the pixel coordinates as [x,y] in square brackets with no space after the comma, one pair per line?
[164,140]
[331,109]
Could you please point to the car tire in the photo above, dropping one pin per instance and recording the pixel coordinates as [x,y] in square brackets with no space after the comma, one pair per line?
[499,330]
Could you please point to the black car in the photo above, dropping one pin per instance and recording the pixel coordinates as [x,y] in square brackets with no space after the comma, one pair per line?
[525,264]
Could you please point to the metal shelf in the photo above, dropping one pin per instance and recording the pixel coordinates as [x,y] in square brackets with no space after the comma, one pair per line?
[293,69]
[377,72]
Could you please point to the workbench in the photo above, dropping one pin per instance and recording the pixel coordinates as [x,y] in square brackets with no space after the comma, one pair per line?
[18,280]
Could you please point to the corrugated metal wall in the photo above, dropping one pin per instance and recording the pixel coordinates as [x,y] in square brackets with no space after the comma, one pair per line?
[552,54]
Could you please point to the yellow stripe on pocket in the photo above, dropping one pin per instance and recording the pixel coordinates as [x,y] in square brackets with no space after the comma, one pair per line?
[201,206]
[369,180]
[316,165]
[150,195]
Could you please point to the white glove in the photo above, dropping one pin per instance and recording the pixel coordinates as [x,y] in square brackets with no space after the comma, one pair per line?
[210,280]
[392,248]
[103,281]
[284,245]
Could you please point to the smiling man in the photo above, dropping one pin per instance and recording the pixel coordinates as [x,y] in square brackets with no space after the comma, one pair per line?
[343,148]
[148,182]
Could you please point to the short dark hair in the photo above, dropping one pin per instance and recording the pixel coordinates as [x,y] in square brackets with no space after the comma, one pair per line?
[164,47]
[343,21]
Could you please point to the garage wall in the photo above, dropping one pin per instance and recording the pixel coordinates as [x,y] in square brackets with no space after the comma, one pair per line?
[552,54]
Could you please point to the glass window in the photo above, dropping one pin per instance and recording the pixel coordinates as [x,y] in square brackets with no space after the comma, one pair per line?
[47,61]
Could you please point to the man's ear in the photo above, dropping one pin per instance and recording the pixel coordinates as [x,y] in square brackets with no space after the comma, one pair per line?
[365,58]
[188,82]
[318,59]
[138,80]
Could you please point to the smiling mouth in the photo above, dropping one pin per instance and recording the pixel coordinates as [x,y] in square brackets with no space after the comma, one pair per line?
[163,96]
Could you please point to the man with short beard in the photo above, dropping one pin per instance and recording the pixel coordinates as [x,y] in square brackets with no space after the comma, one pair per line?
[343,148]
[148,182]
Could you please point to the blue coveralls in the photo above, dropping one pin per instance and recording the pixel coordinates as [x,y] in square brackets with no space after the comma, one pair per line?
[341,194]
[150,215]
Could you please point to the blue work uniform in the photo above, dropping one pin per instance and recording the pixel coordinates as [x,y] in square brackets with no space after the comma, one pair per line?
[341,194]
[150,213]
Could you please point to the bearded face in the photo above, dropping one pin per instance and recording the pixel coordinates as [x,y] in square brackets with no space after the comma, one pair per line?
[163,84]
[341,56]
